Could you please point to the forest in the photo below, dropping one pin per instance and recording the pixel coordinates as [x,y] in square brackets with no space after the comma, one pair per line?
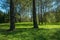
[29,19]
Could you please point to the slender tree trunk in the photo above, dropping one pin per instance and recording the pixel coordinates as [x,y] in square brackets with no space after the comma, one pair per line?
[56,12]
[45,13]
[20,17]
[34,16]
[41,13]
[38,13]
[12,16]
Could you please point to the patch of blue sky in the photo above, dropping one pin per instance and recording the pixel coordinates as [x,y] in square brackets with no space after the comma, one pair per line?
[53,3]
[3,10]
[52,8]
[18,7]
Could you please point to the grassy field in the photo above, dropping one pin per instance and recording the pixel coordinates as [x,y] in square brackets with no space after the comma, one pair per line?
[25,31]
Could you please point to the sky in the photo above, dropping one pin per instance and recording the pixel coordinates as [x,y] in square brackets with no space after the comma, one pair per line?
[3,10]
[3,6]
[7,8]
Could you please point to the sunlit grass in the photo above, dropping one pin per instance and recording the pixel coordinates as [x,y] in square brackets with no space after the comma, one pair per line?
[30,34]
[25,31]
[49,26]
[29,25]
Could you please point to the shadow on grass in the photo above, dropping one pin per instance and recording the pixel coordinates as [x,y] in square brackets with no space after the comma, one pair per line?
[19,30]
[31,34]
[56,35]
[24,24]
[18,25]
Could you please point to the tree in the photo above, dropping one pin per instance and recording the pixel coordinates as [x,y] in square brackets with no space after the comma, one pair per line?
[41,15]
[34,16]
[1,17]
[12,16]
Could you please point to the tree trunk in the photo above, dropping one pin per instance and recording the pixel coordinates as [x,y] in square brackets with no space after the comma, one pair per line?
[34,16]
[12,16]
[45,12]
[38,13]
[41,13]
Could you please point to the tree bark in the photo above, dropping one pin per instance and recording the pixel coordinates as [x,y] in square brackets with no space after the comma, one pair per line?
[34,16]
[12,16]
[41,13]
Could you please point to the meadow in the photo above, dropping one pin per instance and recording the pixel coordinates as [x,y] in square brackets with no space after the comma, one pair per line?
[25,31]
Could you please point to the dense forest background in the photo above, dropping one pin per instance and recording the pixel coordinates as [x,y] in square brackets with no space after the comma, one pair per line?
[29,19]
[46,11]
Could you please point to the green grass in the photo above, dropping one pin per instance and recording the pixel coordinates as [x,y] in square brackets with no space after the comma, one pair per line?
[29,25]
[25,31]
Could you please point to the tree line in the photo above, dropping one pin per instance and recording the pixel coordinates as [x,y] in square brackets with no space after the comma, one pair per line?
[40,12]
